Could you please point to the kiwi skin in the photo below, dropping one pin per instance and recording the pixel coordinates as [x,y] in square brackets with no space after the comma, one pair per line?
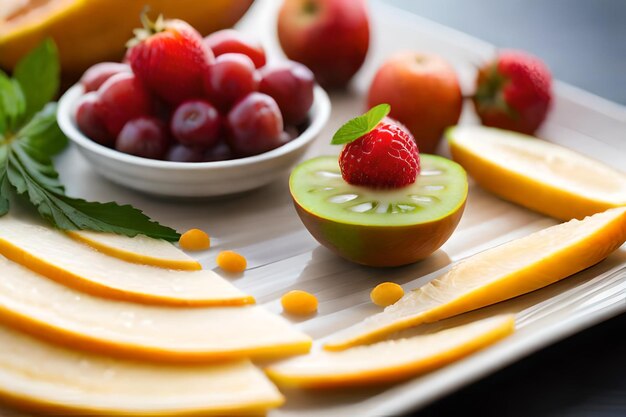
[381,246]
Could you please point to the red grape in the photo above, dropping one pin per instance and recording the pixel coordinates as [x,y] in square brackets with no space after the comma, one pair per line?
[219,152]
[122,98]
[291,85]
[196,123]
[231,78]
[255,125]
[145,137]
[96,75]
[230,41]
[182,153]
[89,121]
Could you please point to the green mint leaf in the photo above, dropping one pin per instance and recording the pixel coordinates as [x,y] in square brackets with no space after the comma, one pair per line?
[5,187]
[42,133]
[360,125]
[38,73]
[32,173]
[12,103]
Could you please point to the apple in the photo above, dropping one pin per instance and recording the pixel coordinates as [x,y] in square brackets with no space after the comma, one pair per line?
[423,92]
[331,37]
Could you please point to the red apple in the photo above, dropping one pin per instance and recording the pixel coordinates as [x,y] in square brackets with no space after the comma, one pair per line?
[424,93]
[331,37]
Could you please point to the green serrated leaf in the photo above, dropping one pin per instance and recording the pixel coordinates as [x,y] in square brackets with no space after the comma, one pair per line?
[42,133]
[12,103]
[5,187]
[31,175]
[360,125]
[38,73]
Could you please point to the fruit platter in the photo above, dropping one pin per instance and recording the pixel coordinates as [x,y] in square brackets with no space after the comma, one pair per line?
[243,222]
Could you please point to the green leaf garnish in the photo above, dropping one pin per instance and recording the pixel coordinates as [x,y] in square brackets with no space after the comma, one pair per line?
[30,137]
[38,73]
[360,125]
[12,103]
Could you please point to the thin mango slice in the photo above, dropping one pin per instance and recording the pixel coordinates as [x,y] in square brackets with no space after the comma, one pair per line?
[497,274]
[139,249]
[53,254]
[61,314]
[392,360]
[42,377]
[535,173]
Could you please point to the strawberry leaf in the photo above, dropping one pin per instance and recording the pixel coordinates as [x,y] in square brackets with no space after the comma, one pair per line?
[360,125]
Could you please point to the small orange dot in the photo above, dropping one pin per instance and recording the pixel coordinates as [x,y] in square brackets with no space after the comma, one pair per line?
[386,294]
[231,261]
[194,239]
[299,302]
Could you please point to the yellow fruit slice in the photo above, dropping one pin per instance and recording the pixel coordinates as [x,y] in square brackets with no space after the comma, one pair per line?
[42,377]
[91,31]
[536,174]
[139,249]
[54,254]
[392,360]
[64,315]
[497,274]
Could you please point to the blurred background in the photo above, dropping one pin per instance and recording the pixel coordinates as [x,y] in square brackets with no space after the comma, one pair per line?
[583,42]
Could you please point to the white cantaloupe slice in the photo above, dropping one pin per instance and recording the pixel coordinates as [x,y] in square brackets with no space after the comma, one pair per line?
[139,249]
[58,313]
[498,274]
[42,377]
[391,360]
[54,254]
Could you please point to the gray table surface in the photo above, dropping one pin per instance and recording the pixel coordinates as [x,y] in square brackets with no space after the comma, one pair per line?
[584,43]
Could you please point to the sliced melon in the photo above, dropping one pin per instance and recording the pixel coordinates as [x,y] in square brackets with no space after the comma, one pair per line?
[39,376]
[139,249]
[53,311]
[392,360]
[500,273]
[537,174]
[53,254]
[380,227]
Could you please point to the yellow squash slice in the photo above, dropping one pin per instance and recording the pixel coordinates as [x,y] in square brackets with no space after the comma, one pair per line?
[42,377]
[498,274]
[537,174]
[391,360]
[54,254]
[64,315]
[139,249]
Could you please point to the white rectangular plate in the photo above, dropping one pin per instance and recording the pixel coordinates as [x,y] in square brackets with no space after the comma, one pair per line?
[265,228]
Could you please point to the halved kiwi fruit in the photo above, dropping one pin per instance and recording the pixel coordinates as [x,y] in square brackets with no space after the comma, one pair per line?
[380,227]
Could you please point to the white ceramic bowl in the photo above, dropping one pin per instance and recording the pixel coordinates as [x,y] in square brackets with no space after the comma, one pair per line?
[187,179]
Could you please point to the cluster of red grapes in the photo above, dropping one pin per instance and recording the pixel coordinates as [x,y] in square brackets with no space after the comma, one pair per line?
[243,107]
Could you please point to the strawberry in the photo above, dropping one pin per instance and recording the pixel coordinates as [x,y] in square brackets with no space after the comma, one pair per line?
[386,157]
[513,92]
[170,58]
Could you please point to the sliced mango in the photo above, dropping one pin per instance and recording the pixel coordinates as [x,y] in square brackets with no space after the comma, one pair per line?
[57,256]
[537,174]
[64,315]
[500,273]
[391,360]
[139,249]
[42,377]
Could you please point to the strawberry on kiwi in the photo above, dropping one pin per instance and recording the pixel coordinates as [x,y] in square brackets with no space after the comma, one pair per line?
[382,204]
[170,58]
